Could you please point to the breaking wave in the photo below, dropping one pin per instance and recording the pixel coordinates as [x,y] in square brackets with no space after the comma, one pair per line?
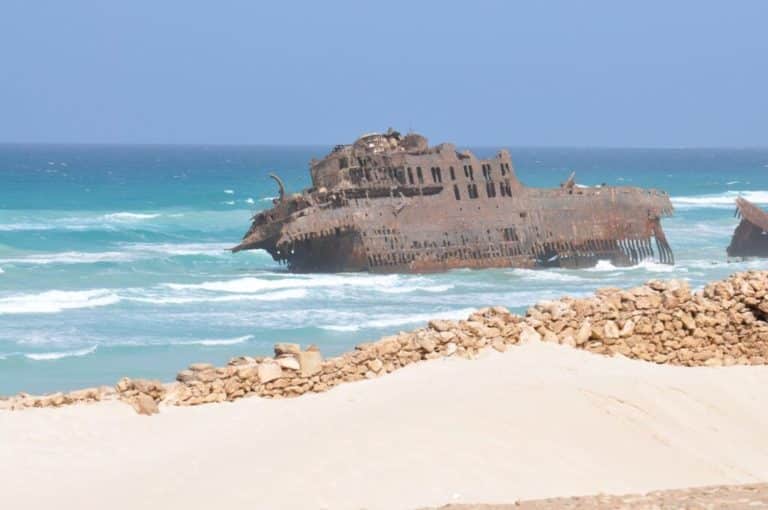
[210,249]
[647,265]
[212,342]
[719,201]
[400,320]
[128,216]
[55,301]
[182,300]
[252,284]
[70,257]
[47,356]
[545,275]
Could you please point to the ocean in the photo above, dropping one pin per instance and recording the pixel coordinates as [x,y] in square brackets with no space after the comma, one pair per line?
[114,260]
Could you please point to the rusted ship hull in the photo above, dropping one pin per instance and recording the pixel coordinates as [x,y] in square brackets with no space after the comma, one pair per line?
[750,239]
[433,209]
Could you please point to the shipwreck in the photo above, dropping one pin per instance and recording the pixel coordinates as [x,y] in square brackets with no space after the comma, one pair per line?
[391,203]
[750,239]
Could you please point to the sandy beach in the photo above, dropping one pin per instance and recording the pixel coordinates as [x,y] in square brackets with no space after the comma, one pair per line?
[541,420]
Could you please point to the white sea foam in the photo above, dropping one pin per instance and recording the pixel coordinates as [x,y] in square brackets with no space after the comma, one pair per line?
[645,265]
[1,270]
[252,284]
[12,227]
[80,223]
[211,342]
[388,321]
[719,201]
[229,202]
[229,191]
[128,216]
[249,200]
[182,300]
[415,288]
[545,275]
[47,356]
[55,301]
[347,327]
[69,257]
[213,249]
[268,199]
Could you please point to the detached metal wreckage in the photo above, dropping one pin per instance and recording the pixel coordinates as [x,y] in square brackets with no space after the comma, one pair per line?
[391,203]
[750,239]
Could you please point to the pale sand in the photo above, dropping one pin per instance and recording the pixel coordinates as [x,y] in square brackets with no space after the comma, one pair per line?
[539,421]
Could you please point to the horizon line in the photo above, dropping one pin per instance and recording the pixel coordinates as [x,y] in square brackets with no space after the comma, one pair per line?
[308,145]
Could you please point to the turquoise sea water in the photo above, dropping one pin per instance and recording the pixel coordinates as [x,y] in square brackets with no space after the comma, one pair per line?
[114,261]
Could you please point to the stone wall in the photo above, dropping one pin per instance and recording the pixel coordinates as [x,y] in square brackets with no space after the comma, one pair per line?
[660,322]
[663,322]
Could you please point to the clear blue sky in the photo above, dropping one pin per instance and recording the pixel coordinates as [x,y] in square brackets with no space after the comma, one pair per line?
[575,73]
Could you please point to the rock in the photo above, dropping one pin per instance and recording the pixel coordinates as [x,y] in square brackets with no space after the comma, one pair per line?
[186,376]
[199,367]
[628,329]
[269,371]
[498,344]
[286,348]
[247,372]
[426,344]
[548,335]
[441,325]
[687,321]
[375,365]
[144,404]
[611,330]
[450,349]
[288,362]
[584,333]
[714,362]
[528,334]
[310,362]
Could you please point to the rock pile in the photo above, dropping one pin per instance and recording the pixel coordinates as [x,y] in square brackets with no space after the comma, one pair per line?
[662,322]
[293,371]
[142,394]
[87,395]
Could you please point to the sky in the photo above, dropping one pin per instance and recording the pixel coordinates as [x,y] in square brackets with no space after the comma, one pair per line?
[537,73]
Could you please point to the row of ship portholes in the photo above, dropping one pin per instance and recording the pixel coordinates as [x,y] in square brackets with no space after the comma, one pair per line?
[417,176]
[490,190]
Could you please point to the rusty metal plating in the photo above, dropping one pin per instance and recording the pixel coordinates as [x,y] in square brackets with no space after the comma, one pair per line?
[391,203]
[750,239]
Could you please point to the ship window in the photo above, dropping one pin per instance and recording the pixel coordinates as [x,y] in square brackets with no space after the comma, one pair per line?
[456,192]
[471,173]
[472,190]
[419,175]
[453,174]
[490,189]
[343,163]
[503,170]
[410,176]
[439,174]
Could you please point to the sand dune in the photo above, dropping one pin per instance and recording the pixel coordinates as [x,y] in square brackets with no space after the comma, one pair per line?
[541,420]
